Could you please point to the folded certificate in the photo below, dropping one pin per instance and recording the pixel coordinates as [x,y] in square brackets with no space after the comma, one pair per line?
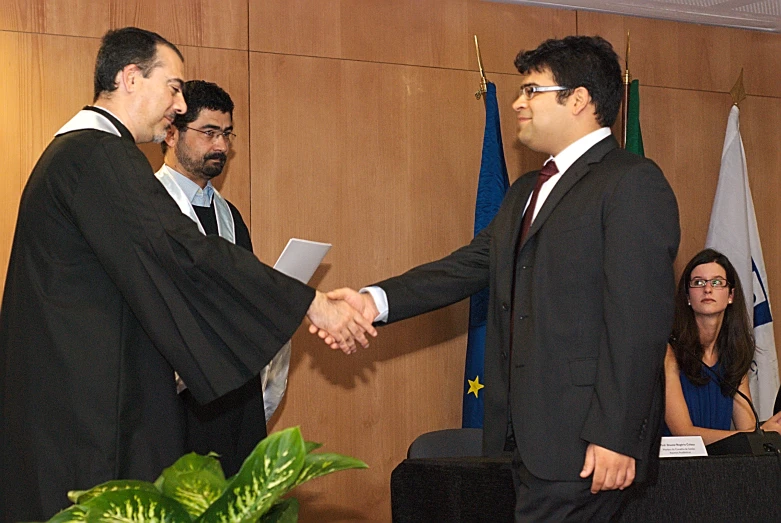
[300,258]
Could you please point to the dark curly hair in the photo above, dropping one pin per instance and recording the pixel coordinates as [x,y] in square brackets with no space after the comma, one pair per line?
[122,47]
[580,61]
[735,341]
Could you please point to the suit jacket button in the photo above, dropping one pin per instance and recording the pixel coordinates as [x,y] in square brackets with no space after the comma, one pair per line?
[505,307]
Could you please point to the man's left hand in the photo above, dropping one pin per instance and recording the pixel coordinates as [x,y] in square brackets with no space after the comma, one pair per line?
[610,470]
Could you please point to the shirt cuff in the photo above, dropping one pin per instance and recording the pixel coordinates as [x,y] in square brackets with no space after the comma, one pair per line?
[380,301]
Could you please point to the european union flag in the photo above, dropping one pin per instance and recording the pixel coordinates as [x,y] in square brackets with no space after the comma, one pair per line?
[491,188]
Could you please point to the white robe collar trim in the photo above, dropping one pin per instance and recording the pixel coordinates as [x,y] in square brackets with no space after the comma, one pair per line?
[86,119]
[225,226]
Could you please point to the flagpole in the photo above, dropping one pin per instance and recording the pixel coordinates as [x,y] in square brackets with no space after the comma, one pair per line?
[493,183]
[483,82]
[625,103]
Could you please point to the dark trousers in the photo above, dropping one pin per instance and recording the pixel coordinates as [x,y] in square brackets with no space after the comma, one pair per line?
[542,500]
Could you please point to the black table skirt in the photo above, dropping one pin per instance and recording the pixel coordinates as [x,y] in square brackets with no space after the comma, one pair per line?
[718,488]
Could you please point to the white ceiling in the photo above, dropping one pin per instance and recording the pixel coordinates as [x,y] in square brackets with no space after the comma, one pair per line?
[762,15]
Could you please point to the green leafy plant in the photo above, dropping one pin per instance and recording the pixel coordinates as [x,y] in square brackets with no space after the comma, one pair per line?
[194,489]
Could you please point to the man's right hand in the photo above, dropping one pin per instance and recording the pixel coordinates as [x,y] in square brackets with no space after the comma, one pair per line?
[362,303]
[338,323]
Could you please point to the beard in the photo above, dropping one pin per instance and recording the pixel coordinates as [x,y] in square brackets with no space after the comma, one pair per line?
[213,164]
[205,167]
[160,134]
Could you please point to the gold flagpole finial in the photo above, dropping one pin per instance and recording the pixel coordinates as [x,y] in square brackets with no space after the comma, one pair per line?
[738,92]
[627,76]
[625,101]
[483,82]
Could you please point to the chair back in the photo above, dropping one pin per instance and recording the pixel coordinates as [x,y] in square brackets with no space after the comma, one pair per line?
[448,443]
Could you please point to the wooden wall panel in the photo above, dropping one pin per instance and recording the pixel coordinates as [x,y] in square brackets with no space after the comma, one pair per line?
[690,56]
[504,30]
[347,136]
[186,22]
[230,70]
[11,148]
[434,33]
[44,81]
[683,132]
[63,17]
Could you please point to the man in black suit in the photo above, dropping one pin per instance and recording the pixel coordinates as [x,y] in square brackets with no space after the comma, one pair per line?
[579,261]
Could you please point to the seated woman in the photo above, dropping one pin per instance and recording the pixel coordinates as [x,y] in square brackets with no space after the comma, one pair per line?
[709,354]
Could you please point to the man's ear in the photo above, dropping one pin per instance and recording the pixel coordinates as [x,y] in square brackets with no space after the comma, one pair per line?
[127,78]
[172,136]
[580,99]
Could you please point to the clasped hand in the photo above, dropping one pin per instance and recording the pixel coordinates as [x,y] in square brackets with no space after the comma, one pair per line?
[609,470]
[359,310]
[339,323]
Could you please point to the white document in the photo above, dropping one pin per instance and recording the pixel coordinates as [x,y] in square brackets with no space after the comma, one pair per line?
[299,260]
[682,447]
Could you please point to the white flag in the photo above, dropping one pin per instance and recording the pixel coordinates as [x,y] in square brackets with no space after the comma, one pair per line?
[733,232]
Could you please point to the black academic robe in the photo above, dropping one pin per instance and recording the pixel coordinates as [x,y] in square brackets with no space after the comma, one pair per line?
[110,289]
[233,424]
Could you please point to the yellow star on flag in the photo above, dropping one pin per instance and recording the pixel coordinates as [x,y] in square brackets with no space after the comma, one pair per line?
[474,386]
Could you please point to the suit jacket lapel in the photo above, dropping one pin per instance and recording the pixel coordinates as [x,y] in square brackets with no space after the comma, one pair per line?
[506,250]
[576,171]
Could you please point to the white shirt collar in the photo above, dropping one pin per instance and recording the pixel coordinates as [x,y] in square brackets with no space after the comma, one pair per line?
[195,195]
[578,148]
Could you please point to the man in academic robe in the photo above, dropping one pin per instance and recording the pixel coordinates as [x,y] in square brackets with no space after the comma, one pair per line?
[579,262]
[111,289]
[195,152]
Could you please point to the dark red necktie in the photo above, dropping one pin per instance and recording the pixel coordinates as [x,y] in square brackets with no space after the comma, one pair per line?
[548,170]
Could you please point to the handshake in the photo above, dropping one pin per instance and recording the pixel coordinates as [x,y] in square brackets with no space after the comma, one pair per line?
[342,318]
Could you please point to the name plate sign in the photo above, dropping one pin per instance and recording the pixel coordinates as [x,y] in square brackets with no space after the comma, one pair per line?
[682,447]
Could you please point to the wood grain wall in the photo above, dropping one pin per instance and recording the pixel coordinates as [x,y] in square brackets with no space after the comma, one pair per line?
[357,124]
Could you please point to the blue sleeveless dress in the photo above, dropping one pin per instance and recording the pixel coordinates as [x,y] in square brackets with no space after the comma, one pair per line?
[708,407]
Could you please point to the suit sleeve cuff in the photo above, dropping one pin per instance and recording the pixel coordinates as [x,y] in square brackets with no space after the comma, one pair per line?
[380,301]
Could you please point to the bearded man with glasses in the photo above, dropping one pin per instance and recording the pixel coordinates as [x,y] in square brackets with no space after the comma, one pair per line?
[196,150]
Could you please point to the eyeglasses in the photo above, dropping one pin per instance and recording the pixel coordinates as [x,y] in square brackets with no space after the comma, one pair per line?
[213,134]
[530,90]
[716,283]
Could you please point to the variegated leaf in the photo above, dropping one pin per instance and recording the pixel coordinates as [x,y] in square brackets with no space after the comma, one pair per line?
[81,496]
[73,514]
[316,465]
[311,445]
[140,506]
[266,475]
[195,481]
[286,511]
